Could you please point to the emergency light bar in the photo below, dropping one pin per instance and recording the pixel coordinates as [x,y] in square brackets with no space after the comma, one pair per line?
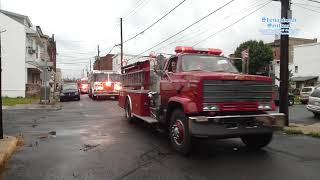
[186,49]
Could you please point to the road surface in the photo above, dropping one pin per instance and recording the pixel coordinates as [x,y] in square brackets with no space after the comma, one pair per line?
[91,140]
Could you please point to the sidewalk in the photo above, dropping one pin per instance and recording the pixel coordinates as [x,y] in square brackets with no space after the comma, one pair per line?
[57,106]
[310,130]
[7,146]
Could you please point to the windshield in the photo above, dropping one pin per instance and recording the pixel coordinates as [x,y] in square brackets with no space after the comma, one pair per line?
[306,90]
[316,93]
[100,77]
[114,77]
[69,87]
[207,63]
[84,82]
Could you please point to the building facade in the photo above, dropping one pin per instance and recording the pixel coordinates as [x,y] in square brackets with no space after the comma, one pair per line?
[275,45]
[24,55]
[103,63]
[275,65]
[306,66]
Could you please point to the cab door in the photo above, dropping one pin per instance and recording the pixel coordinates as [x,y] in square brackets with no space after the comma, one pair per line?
[167,86]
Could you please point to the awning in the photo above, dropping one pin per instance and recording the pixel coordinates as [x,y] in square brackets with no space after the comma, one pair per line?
[303,78]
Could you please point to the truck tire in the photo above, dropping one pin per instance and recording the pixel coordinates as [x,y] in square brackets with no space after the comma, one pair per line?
[180,137]
[257,141]
[128,112]
[291,102]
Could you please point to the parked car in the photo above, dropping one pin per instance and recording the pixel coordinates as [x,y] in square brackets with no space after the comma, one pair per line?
[69,92]
[276,97]
[305,93]
[314,102]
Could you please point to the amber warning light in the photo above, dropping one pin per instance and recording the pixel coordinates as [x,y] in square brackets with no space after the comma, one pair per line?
[186,49]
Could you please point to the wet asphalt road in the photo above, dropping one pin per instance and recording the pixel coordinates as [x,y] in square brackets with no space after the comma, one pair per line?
[93,141]
[300,114]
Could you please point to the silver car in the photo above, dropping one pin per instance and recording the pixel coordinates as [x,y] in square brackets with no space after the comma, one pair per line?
[314,102]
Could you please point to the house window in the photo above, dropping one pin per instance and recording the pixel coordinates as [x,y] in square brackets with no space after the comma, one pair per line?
[296,69]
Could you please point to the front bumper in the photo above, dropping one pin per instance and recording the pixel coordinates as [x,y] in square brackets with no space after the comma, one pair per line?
[235,125]
[105,93]
[313,108]
[69,97]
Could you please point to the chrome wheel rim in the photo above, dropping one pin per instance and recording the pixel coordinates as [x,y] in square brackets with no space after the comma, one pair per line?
[178,132]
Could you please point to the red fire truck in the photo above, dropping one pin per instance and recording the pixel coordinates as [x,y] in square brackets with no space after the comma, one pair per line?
[199,93]
[83,85]
[103,84]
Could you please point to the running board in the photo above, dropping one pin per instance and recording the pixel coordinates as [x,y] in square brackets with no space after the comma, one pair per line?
[146,118]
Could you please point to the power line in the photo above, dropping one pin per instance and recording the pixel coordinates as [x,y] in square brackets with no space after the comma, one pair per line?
[199,32]
[185,28]
[111,49]
[72,63]
[67,56]
[135,10]
[305,8]
[155,22]
[231,24]
[305,5]
[314,1]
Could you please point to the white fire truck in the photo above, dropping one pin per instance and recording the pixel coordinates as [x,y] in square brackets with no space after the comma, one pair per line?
[104,84]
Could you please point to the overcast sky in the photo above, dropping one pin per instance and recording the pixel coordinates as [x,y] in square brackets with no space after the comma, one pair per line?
[80,25]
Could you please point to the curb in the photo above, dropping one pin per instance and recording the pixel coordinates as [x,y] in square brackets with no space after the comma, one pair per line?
[309,130]
[7,146]
[32,107]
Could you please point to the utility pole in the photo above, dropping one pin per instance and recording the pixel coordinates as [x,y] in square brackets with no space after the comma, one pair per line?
[121,43]
[248,61]
[1,122]
[284,61]
[98,58]
[98,52]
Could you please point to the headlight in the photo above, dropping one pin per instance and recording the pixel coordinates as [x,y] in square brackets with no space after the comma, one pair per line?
[61,94]
[264,106]
[210,107]
[77,93]
[117,87]
[108,83]
[99,88]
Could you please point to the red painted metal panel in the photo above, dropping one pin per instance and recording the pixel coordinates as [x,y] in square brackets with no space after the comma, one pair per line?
[140,103]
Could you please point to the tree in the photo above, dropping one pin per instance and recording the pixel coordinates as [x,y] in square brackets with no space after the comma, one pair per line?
[260,55]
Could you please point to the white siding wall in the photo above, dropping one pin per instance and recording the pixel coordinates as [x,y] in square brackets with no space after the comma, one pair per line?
[277,71]
[307,58]
[13,57]
[116,62]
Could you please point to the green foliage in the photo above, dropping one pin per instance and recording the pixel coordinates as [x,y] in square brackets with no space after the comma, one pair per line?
[6,101]
[293,131]
[314,134]
[260,55]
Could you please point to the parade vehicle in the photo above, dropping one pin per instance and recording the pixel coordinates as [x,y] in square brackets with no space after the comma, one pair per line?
[83,85]
[104,84]
[197,93]
[69,91]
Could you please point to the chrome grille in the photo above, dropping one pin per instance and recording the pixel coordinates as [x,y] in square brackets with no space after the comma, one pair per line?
[236,91]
